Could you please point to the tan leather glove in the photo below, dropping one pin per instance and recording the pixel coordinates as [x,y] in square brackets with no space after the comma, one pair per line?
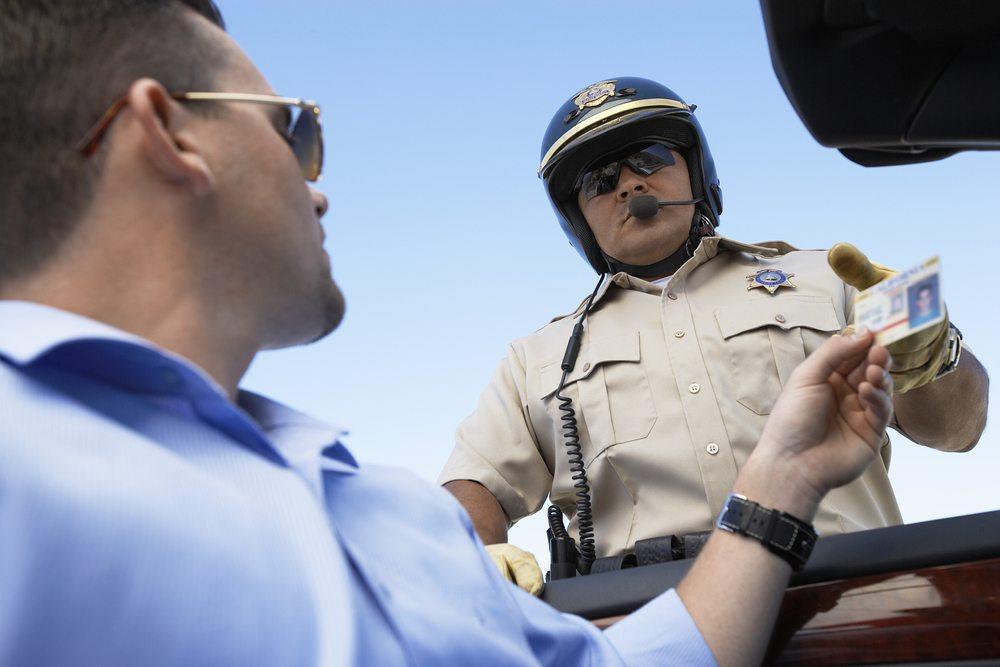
[517,565]
[916,359]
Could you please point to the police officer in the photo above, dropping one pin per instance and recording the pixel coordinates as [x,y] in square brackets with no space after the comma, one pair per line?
[685,347]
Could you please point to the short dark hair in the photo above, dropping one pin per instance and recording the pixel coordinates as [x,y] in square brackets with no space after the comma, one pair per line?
[62,64]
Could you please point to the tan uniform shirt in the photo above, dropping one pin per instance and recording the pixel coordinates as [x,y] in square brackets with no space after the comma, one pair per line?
[671,390]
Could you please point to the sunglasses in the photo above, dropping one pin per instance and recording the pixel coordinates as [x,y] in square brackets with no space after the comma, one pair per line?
[645,162]
[302,132]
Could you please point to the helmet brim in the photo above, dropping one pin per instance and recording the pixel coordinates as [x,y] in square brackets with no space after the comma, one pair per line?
[655,125]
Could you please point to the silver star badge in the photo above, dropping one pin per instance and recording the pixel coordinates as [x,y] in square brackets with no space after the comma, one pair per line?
[770,279]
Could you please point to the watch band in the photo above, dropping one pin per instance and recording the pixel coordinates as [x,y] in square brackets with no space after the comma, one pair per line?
[954,351]
[782,534]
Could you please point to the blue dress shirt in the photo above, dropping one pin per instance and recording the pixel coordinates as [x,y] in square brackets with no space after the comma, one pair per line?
[146,519]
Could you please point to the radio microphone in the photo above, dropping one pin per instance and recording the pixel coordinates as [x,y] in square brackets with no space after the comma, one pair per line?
[646,206]
[643,206]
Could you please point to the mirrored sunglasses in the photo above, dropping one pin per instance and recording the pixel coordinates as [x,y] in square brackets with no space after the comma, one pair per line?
[645,162]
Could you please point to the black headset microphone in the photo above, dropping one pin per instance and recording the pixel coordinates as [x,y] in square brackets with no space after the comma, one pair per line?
[646,206]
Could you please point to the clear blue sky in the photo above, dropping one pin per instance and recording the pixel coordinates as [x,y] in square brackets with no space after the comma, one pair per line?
[443,240]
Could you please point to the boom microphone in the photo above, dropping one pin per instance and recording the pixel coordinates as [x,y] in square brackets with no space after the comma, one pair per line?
[643,206]
[646,206]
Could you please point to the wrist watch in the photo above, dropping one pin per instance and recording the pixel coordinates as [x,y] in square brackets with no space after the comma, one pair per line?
[791,539]
[954,344]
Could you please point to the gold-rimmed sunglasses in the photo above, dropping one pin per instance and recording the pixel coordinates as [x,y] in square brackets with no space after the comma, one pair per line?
[303,133]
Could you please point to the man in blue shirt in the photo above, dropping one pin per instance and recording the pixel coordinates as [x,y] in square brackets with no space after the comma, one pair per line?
[153,513]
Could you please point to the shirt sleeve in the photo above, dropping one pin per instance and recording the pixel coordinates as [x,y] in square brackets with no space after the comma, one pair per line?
[849,294]
[660,633]
[496,445]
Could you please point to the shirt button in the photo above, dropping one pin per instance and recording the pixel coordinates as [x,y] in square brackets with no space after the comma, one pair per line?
[586,367]
[671,296]
[679,333]
[779,318]
[694,387]
[712,448]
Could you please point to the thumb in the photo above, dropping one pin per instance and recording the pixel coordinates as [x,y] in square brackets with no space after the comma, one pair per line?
[851,266]
[838,353]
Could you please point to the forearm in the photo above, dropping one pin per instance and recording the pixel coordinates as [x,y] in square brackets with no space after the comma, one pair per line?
[950,413]
[487,515]
[822,433]
[734,590]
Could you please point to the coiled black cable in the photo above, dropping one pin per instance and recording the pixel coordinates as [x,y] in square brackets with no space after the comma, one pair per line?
[571,440]
[556,523]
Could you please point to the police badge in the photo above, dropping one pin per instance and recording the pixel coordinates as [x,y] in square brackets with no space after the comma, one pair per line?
[770,279]
[595,95]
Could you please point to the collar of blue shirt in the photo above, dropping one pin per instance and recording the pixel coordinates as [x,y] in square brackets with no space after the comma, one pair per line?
[38,336]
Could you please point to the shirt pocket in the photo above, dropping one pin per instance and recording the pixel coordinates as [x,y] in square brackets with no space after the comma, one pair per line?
[610,391]
[765,341]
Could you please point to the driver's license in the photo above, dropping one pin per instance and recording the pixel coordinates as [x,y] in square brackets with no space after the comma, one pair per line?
[903,304]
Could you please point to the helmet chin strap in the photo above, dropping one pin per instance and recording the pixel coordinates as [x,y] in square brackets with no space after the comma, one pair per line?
[700,228]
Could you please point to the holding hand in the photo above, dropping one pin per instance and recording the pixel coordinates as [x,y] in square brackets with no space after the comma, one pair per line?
[517,566]
[918,357]
[826,427]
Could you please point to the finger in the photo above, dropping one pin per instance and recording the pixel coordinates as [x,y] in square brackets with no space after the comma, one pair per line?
[836,354]
[503,566]
[858,375]
[877,377]
[857,359]
[854,268]
[528,575]
[880,356]
[877,404]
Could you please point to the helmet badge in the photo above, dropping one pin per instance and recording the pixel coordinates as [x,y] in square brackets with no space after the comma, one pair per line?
[770,279]
[595,95]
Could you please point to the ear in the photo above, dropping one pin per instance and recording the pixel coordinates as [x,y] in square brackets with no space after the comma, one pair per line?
[176,155]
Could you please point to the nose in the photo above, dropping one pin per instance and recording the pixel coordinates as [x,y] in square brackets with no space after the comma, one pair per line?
[630,184]
[320,203]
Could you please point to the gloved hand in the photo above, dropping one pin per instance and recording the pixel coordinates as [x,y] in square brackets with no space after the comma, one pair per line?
[517,565]
[916,359]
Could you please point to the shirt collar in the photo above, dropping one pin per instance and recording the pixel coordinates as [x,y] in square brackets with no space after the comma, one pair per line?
[303,441]
[707,249]
[30,330]
[32,333]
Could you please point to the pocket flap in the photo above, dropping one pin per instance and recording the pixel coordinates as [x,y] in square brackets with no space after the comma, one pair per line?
[787,313]
[592,354]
